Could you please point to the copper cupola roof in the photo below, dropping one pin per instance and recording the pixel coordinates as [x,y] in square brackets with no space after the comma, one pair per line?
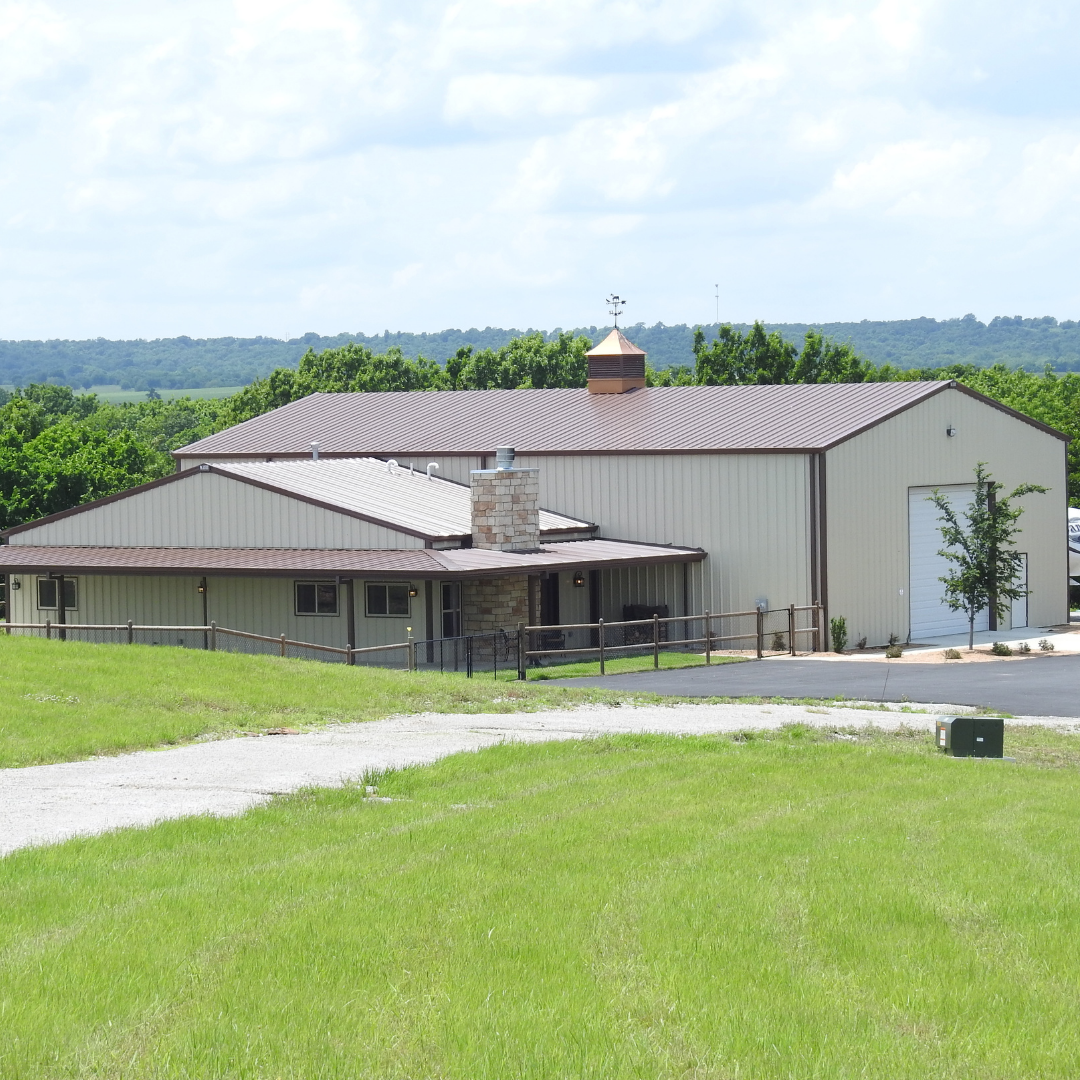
[616,365]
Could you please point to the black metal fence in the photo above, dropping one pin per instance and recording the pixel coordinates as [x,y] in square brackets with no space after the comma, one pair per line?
[761,633]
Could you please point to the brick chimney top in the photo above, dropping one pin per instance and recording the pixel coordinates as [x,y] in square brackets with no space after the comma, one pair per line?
[616,365]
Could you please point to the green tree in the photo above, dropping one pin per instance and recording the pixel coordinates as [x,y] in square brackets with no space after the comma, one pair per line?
[734,359]
[986,568]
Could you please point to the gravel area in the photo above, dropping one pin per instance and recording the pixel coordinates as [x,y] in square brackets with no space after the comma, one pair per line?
[48,803]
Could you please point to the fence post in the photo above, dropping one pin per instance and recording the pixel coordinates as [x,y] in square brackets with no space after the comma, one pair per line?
[655,640]
[350,658]
[282,644]
[708,638]
[131,632]
[468,657]
[521,650]
[412,654]
[48,629]
[791,629]
[817,628]
[600,638]
[760,633]
[213,637]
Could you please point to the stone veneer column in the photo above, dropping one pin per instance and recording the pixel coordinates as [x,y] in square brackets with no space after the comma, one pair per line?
[489,604]
[505,509]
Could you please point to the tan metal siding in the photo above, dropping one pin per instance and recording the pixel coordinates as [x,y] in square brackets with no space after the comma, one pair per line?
[867,492]
[209,510]
[259,605]
[748,511]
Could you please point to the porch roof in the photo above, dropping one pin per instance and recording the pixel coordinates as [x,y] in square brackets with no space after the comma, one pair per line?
[288,562]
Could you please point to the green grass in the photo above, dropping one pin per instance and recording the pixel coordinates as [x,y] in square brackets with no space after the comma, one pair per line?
[59,702]
[784,905]
[624,664]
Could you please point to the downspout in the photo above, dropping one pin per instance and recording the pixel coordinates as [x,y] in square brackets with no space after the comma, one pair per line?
[823,551]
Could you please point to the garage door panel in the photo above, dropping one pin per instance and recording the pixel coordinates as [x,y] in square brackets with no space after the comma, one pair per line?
[930,617]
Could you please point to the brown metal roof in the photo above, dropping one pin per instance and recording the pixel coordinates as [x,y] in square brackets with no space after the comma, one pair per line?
[277,562]
[670,419]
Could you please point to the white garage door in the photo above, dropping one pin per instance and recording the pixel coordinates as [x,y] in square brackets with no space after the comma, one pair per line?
[929,616]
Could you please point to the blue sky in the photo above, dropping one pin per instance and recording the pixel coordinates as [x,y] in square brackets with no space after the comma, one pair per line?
[279,166]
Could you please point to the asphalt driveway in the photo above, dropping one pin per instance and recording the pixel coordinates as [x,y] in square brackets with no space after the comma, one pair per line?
[1039,685]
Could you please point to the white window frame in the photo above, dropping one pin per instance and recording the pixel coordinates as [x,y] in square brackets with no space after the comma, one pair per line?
[56,581]
[316,614]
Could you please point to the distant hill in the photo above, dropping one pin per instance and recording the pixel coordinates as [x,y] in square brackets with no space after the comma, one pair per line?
[183,362]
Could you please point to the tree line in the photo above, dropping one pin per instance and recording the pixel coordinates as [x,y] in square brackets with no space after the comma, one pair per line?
[59,449]
[185,362]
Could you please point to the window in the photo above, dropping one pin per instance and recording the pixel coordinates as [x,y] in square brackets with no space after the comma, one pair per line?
[316,598]
[46,593]
[451,609]
[387,599]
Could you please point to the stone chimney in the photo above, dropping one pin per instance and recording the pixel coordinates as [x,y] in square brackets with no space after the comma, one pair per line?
[505,505]
[615,366]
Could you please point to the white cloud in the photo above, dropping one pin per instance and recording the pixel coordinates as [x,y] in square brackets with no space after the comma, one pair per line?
[355,164]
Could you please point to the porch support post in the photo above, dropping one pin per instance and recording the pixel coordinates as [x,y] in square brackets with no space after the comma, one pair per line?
[350,627]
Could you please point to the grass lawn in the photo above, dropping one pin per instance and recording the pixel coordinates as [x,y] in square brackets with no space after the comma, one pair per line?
[623,664]
[62,701]
[787,905]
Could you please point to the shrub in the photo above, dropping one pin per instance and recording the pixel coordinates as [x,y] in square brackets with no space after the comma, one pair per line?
[1045,645]
[861,643]
[778,644]
[894,652]
[1023,647]
[894,639]
[838,633]
[952,654]
[999,648]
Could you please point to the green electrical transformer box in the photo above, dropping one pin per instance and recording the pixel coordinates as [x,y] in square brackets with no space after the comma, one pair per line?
[971,736]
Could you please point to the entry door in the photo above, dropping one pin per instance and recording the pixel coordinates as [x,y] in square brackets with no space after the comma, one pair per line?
[1019,607]
[930,617]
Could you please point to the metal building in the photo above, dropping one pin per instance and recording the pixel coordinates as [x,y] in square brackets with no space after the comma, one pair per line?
[798,494]
[718,498]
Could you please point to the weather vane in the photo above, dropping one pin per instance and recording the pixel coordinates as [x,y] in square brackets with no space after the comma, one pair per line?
[615,305]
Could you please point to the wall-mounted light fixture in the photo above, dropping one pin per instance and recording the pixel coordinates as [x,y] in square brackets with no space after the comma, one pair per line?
[16,584]
[579,579]
[201,587]
[951,432]
[414,592]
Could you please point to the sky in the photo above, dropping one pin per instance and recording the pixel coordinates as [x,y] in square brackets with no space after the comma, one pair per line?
[281,166]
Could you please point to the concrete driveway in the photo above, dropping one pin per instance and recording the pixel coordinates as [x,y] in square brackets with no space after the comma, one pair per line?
[47,803]
[1039,685]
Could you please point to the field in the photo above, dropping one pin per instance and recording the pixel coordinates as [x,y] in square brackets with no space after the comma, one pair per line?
[115,396]
[794,905]
[60,702]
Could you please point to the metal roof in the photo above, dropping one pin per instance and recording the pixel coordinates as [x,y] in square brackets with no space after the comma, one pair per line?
[616,345]
[433,507]
[409,563]
[669,419]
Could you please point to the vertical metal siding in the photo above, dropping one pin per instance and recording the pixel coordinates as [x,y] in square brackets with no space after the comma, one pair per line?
[869,479]
[209,510]
[748,511]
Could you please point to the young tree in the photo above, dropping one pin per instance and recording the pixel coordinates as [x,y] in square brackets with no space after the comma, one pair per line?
[986,568]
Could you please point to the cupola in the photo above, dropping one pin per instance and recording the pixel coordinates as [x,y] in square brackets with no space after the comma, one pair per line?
[616,365]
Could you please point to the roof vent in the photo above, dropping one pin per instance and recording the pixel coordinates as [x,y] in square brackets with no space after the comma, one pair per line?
[314,451]
[504,457]
[616,365]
